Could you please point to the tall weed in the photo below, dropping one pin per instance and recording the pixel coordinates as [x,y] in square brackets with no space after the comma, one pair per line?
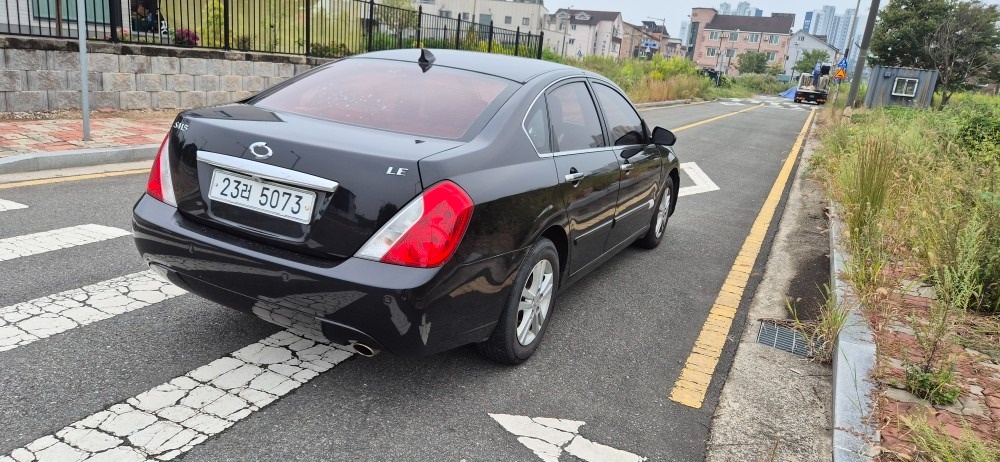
[864,180]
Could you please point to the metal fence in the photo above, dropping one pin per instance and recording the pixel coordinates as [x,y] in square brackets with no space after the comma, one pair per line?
[323,28]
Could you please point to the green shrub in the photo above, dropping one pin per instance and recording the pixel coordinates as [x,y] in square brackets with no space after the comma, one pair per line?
[937,387]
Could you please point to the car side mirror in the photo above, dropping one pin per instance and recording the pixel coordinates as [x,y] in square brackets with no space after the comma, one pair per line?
[664,137]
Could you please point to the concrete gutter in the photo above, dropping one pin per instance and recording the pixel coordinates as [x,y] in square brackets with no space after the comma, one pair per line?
[854,437]
[33,162]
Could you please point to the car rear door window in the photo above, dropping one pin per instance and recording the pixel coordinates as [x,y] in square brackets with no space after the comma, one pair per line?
[536,125]
[394,95]
[624,123]
[574,120]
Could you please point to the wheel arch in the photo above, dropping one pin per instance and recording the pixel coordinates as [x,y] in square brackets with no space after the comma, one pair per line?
[557,235]
[676,177]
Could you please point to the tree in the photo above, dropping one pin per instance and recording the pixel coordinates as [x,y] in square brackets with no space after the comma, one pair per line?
[902,27]
[397,14]
[958,38]
[807,61]
[964,46]
[752,62]
[775,69]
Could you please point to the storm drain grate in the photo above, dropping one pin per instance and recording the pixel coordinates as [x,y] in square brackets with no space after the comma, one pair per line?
[782,338]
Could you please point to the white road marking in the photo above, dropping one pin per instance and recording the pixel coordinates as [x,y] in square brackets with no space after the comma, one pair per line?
[731,103]
[6,205]
[26,322]
[702,183]
[63,238]
[170,419]
[548,438]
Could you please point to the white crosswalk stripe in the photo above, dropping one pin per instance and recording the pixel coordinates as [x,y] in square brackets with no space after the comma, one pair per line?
[6,205]
[63,238]
[172,418]
[29,321]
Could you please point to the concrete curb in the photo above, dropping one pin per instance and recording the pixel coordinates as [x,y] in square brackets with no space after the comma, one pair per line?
[853,362]
[659,104]
[33,162]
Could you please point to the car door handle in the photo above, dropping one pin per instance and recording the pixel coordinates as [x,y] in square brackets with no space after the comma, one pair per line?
[626,167]
[575,176]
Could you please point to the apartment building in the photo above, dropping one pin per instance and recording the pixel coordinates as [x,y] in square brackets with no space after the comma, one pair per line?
[528,15]
[719,39]
[584,32]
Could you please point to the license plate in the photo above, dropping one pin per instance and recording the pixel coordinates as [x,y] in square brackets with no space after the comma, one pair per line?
[262,196]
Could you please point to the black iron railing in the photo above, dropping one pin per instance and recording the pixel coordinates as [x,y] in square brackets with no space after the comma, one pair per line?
[324,28]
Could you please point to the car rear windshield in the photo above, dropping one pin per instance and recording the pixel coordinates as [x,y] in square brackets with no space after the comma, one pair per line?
[393,95]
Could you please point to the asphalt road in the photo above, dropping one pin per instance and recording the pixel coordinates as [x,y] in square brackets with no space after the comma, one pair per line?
[618,341]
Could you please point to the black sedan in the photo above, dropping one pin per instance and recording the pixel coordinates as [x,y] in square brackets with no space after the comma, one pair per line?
[410,201]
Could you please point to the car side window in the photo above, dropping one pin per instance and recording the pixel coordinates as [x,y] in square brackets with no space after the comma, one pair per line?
[573,118]
[623,122]
[536,125]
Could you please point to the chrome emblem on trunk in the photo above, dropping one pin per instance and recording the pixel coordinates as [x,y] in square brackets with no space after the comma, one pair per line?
[260,150]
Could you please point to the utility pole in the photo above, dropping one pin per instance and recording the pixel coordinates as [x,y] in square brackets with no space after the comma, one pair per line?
[859,67]
[847,48]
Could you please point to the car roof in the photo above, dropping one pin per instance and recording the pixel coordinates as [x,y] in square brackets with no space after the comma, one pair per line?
[508,67]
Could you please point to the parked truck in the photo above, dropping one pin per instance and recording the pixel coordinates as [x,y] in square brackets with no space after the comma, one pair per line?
[814,88]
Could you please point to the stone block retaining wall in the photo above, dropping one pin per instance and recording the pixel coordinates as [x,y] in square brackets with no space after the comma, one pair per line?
[44,75]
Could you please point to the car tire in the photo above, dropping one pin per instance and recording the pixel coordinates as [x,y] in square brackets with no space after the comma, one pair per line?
[525,318]
[658,223]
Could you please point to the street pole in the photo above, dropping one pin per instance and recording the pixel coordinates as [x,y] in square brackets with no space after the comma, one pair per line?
[859,67]
[847,48]
[81,31]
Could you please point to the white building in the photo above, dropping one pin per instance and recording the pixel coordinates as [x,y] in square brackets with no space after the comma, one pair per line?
[802,42]
[580,33]
[528,15]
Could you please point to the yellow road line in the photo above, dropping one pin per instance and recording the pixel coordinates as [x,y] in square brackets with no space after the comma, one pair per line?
[64,179]
[691,387]
[713,119]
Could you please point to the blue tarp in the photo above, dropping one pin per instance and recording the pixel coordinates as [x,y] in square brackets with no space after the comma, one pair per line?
[789,93]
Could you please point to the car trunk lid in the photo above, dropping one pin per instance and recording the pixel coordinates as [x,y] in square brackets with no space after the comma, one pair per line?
[357,177]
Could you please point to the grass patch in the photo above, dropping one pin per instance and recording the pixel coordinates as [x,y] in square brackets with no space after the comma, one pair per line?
[822,332]
[932,444]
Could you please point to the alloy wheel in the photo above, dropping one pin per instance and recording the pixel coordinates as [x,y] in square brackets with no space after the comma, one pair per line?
[536,299]
[662,213]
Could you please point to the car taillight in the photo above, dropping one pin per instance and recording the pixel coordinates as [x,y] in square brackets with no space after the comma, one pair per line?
[160,185]
[426,232]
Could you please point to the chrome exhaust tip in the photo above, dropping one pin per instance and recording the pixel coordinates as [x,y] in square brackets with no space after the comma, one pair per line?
[363,350]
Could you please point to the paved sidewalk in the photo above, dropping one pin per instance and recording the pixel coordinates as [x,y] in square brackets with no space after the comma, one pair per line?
[53,135]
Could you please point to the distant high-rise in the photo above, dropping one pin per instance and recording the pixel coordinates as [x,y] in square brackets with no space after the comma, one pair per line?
[725,8]
[823,20]
[742,8]
[839,38]
[807,22]
[757,12]
[685,28]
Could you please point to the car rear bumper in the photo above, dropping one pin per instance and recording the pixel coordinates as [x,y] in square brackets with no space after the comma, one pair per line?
[405,311]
